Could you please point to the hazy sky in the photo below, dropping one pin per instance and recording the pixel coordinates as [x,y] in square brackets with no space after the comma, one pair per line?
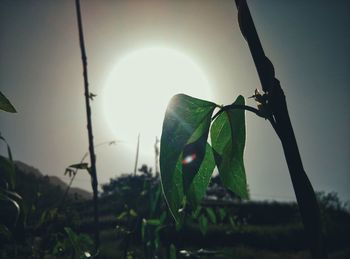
[307,41]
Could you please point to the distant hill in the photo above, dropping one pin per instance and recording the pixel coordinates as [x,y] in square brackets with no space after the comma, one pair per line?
[52,180]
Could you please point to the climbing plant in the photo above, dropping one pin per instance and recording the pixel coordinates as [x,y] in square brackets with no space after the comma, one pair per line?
[187,160]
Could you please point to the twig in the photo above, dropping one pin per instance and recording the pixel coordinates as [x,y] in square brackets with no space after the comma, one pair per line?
[94,182]
[76,171]
[137,154]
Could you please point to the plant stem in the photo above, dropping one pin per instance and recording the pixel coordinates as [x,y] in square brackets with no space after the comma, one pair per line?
[94,182]
[304,192]
[76,171]
[156,153]
[280,121]
[137,154]
[71,182]
[237,106]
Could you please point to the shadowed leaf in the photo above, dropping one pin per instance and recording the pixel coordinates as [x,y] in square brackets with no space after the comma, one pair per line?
[211,215]
[7,167]
[5,232]
[5,104]
[172,252]
[12,198]
[228,141]
[201,181]
[80,166]
[70,172]
[203,224]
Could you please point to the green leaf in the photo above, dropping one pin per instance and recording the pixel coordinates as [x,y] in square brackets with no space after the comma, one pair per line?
[11,197]
[232,222]
[211,215]
[80,166]
[163,216]
[228,141]
[5,104]
[201,180]
[143,229]
[154,199]
[47,216]
[203,224]
[153,222]
[172,252]
[222,213]
[122,215]
[196,212]
[132,213]
[9,154]
[157,236]
[7,166]
[73,238]
[183,142]
[5,232]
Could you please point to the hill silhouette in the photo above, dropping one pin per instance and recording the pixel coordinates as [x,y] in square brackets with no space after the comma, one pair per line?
[34,176]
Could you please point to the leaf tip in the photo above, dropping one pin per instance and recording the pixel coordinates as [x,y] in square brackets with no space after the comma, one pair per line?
[239,100]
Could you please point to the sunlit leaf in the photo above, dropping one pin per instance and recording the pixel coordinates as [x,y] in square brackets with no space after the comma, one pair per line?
[5,104]
[228,142]
[183,142]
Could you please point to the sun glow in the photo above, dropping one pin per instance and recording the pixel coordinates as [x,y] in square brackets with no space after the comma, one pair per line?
[140,86]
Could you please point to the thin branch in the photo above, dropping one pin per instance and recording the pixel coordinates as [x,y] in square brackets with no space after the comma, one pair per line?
[94,182]
[76,171]
[137,154]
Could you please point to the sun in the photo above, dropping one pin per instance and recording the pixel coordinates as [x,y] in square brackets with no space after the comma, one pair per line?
[140,86]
